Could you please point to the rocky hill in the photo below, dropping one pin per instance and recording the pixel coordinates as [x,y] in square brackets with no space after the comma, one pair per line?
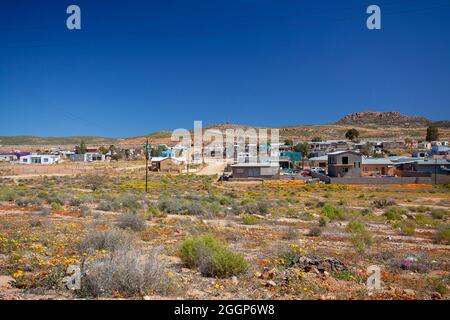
[383,119]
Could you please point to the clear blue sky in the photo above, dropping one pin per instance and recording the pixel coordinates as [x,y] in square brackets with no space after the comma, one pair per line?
[141,66]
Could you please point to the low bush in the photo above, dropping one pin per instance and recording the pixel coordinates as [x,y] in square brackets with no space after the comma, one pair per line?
[109,240]
[85,211]
[323,221]
[443,234]
[332,212]
[408,228]
[260,207]
[360,236]
[131,221]
[315,232]
[249,219]
[422,219]
[211,257]
[108,205]
[7,195]
[290,233]
[383,203]
[127,273]
[129,202]
[394,213]
[56,206]
[439,213]
[22,202]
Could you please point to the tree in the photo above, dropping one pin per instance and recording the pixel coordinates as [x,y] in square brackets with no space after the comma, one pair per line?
[367,149]
[303,148]
[352,134]
[112,149]
[103,150]
[81,149]
[432,134]
[116,157]
[316,139]
[157,151]
[127,153]
[289,142]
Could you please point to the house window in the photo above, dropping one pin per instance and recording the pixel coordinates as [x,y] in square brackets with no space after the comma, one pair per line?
[345,169]
[344,160]
[45,159]
[253,172]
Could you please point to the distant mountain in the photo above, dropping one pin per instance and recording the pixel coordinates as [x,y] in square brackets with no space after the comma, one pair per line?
[32,141]
[373,125]
[384,119]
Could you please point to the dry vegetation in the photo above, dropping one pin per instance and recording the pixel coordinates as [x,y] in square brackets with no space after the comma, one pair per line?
[194,238]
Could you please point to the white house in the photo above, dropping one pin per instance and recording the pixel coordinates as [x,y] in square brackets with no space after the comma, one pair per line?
[87,157]
[39,159]
[8,157]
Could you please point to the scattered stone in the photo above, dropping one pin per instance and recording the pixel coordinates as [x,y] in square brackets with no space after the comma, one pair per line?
[271,283]
[327,297]
[6,281]
[234,280]
[436,296]
[409,292]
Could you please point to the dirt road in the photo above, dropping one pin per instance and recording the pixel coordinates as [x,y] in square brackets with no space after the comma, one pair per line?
[212,168]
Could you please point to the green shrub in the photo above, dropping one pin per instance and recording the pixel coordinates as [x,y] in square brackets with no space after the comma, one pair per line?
[360,236]
[423,219]
[22,202]
[227,263]
[315,232]
[383,203]
[249,219]
[131,221]
[345,276]
[332,212]
[323,221]
[8,195]
[439,213]
[211,257]
[56,206]
[443,234]
[394,213]
[154,211]
[258,207]
[408,228]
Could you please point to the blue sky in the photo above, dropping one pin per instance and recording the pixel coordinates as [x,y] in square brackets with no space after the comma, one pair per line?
[141,66]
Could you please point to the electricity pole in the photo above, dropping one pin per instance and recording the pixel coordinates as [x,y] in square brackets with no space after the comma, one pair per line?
[146,166]
[435,171]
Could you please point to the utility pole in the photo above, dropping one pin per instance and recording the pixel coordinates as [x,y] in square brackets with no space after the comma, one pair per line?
[146,166]
[435,171]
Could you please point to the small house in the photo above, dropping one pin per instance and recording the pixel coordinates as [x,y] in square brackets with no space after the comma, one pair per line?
[8,157]
[87,157]
[255,170]
[344,164]
[43,159]
[378,167]
[166,164]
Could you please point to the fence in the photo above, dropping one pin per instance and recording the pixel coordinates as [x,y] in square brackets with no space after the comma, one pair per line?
[433,179]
